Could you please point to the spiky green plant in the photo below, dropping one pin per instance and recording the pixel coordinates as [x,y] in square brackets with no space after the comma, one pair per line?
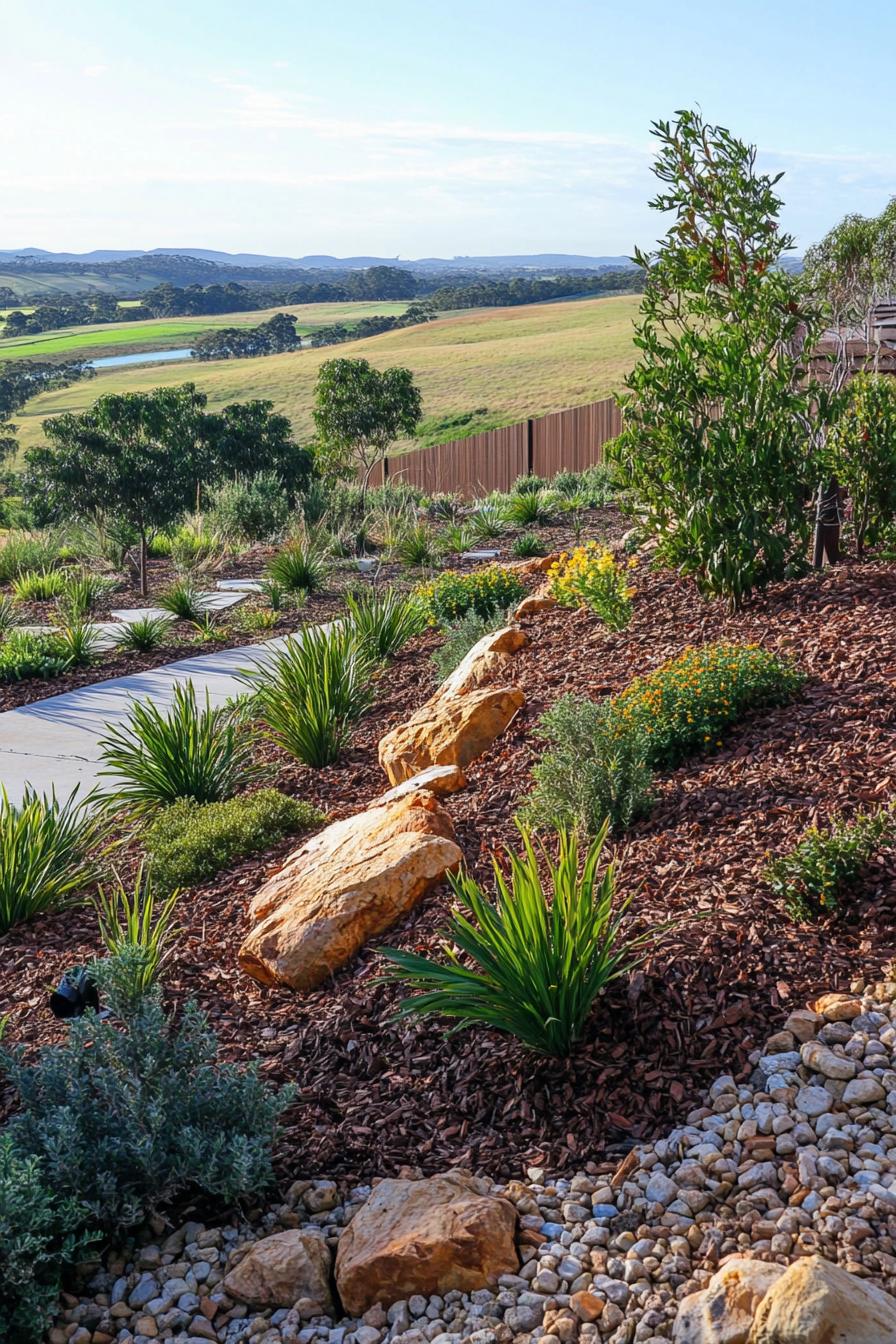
[9,616]
[79,640]
[132,920]
[526,510]
[38,585]
[190,752]
[184,600]
[486,523]
[45,853]
[81,593]
[527,544]
[310,692]
[526,964]
[416,546]
[23,551]
[384,621]
[144,635]
[300,566]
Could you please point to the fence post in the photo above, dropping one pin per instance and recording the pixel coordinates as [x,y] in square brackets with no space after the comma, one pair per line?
[385,470]
[530,446]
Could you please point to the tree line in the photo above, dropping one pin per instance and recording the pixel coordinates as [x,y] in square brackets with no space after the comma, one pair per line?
[507,293]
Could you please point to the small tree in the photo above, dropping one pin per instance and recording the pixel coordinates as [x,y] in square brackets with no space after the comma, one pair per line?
[138,456]
[721,418]
[359,412]
[249,437]
[861,448]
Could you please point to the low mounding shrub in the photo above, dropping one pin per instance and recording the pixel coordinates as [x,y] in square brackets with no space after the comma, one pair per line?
[861,452]
[451,595]
[189,842]
[384,621]
[44,855]
[39,1235]
[593,771]
[157,758]
[590,577]
[531,507]
[686,705]
[24,654]
[310,692]
[533,966]
[184,600]
[251,508]
[527,545]
[829,863]
[130,1112]
[299,567]
[460,636]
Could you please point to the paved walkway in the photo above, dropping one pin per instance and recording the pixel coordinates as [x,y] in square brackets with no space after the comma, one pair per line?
[53,744]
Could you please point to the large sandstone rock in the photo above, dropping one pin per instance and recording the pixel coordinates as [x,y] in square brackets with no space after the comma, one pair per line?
[723,1312]
[279,1270]
[464,716]
[448,732]
[541,600]
[425,1237]
[816,1302]
[345,885]
[437,779]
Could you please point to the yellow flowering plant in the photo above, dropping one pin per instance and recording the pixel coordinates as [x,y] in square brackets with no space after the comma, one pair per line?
[590,576]
[450,595]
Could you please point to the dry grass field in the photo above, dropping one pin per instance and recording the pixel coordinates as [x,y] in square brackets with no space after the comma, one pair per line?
[504,364]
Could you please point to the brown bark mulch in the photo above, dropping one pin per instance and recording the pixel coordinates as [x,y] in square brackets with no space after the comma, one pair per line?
[374,1096]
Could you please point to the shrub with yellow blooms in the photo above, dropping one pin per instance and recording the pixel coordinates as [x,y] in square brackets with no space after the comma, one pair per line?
[589,576]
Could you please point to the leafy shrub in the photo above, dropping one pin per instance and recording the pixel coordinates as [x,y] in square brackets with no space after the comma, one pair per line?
[529,485]
[686,705]
[451,595]
[189,842]
[528,509]
[595,769]
[132,923]
[527,545]
[460,636]
[591,489]
[38,585]
[384,621]
[184,600]
[299,567]
[828,863]
[23,551]
[45,848]
[416,546]
[446,508]
[127,1114]
[251,508]
[144,635]
[157,758]
[24,654]
[310,692]
[39,1234]
[861,449]
[589,577]
[534,966]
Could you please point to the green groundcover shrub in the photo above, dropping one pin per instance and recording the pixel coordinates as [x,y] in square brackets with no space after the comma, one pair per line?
[829,862]
[451,595]
[189,842]
[39,1234]
[134,1110]
[460,636]
[24,654]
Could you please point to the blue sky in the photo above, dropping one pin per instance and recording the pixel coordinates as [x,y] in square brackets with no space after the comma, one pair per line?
[417,128]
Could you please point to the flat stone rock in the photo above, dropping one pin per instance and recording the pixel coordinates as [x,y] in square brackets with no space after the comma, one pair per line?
[131,614]
[240,586]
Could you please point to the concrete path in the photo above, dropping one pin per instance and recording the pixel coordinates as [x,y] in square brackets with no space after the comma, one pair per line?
[53,744]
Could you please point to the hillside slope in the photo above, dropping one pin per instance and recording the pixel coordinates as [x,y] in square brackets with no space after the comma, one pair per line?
[504,363]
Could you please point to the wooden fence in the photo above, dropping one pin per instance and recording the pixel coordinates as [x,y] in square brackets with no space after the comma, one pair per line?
[563,441]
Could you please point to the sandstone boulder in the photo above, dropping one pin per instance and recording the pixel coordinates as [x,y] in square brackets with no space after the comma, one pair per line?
[723,1313]
[425,1237]
[278,1270]
[448,731]
[437,779]
[487,663]
[542,600]
[345,885]
[816,1302]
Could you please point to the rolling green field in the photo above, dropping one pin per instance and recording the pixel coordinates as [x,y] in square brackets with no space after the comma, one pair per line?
[167,333]
[504,364]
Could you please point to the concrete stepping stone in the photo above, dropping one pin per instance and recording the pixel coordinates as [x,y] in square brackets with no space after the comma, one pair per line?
[131,614]
[240,586]
[480,555]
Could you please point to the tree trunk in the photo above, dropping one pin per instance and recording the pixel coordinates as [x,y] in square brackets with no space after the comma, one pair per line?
[142,564]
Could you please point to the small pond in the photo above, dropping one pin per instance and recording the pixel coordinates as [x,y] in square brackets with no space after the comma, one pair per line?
[144,357]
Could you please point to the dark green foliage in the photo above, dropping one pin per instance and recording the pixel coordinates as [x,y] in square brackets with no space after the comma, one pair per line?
[358,412]
[861,454]
[155,758]
[528,509]
[39,1235]
[184,600]
[80,641]
[460,636]
[416,546]
[528,545]
[142,636]
[594,770]
[829,862]
[189,842]
[23,654]
[250,508]
[132,1111]
[44,854]
[533,961]
[300,567]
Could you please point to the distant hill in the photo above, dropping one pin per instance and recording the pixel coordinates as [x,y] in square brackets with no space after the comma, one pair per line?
[536,261]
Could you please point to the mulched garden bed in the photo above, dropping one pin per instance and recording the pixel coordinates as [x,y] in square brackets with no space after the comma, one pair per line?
[374,1096]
